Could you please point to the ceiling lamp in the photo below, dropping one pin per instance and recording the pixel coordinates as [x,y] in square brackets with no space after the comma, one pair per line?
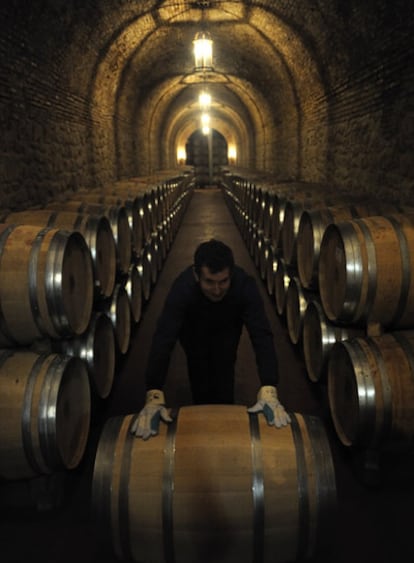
[205,119]
[204,100]
[203,51]
[205,123]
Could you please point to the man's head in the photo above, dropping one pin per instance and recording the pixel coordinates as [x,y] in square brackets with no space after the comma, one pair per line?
[213,267]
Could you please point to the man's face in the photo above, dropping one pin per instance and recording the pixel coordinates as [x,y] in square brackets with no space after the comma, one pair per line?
[214,286]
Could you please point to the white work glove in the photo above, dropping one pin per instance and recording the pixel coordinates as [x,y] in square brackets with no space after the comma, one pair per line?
[269,404]
[148,420]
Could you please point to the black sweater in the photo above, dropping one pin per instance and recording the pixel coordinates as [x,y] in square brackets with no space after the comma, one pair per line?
[188,314]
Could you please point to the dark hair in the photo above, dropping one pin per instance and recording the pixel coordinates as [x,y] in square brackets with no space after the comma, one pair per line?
[215,255]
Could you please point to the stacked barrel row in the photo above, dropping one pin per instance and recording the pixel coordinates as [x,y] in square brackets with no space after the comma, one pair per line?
[341,272]
[74,277]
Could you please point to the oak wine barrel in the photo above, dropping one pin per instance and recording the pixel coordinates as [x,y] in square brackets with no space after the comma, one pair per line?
[312,225]
[46,284]
[281,194]
[271,267]
[371,390]
[96,231]
[118,310]
[131,206]
[143,267]
[282,278]
[297,299]
[291,221]
[318,337]
[133,286]
[45,409]
[118,219]
[216,484]
[96,346]
[269,209]
[366,271]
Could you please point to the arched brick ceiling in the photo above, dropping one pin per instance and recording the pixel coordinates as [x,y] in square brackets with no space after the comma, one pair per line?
[145,78]
[307,90]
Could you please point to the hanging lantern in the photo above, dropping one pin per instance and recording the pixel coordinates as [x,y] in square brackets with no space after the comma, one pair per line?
[203,51]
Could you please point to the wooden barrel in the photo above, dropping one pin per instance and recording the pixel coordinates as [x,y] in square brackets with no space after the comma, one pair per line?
[269,209]
[96,231]
[151,257]
[291,221]
[96,346]
[133,287]
[136,225]
[162,243]
[163,202]
[118,309]
[258,208]
[271,268]
[157,245]
[262,253]
[278,216]
[168,234]
[290,198]
[215,485]
[157,199]
[146,197]
[251,200]
[239,214]
[152,204]
[145,215]
[366,271]
[131,206]
[45,410]
[274,197]
[282,279]
[118,219]
[319,336]
[143,267]
[251,237]
[46,284]
[176,215]
[244,227]
[371,390]
[312,225]
[297,300]
[172,221]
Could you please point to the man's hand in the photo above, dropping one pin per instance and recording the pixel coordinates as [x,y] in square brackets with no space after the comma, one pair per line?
[269,404]
[148,421]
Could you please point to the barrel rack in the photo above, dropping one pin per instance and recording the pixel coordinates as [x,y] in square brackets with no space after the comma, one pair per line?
[127,228]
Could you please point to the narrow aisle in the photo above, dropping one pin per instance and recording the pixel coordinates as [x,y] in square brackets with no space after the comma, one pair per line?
[208,216]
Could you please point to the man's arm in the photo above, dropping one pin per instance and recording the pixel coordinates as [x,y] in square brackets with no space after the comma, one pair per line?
[164,339]
[261,336]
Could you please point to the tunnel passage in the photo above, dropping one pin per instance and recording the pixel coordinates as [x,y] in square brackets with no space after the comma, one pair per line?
[207,153]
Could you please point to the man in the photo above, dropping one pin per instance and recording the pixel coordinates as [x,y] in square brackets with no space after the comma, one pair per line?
[206,309]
